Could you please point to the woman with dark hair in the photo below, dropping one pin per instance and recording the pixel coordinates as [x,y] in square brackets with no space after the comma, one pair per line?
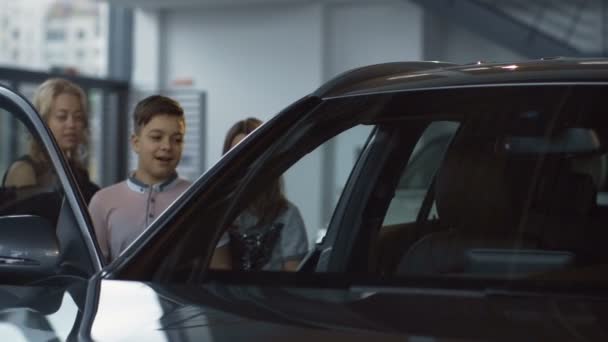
[270,234]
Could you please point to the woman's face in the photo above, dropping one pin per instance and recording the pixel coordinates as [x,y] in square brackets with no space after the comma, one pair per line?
[66,121]
[237,139]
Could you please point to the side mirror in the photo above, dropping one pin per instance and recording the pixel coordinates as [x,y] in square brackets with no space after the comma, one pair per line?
[28,247]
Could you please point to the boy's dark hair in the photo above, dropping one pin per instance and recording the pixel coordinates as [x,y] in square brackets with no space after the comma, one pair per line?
[154,105]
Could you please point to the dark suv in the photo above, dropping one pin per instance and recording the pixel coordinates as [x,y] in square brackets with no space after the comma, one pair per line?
[474,207]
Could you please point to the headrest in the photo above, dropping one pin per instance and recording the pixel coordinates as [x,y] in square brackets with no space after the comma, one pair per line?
[474,190]
[482,189]
[565,194]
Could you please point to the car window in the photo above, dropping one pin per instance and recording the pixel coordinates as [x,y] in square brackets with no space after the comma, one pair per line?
[279,227]
[419,173]
[39,232]
[29,181]
[518,196]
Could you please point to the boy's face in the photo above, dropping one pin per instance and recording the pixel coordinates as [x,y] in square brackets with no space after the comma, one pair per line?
[159,147]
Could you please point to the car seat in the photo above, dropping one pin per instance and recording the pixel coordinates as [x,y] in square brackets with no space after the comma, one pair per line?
[494,214]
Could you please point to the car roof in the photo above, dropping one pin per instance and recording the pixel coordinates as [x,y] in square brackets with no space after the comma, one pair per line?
[401,76]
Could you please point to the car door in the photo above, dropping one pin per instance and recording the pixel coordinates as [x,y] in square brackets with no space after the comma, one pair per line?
[47,252]
[46,232]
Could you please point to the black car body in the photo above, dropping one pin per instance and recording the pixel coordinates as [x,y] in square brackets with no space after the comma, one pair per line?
[475,211]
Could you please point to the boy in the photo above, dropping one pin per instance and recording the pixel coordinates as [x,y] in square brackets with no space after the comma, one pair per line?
[121,212]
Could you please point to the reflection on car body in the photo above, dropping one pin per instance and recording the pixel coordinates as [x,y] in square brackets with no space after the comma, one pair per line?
[475,210]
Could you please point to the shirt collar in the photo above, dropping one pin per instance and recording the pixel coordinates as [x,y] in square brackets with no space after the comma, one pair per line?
[139,186]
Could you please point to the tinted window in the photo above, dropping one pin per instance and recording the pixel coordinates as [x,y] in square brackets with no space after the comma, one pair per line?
[516,197]
[276,230]
[29,182]
[40,236]
[419,173]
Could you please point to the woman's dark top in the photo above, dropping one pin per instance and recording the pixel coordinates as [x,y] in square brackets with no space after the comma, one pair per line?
[44,174]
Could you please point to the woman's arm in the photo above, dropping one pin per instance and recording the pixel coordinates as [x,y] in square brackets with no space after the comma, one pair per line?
[20,174]
[221,258]
[294,242]
[291,265]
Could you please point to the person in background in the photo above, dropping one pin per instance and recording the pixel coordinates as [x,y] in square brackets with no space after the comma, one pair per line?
[121,212]
[269,234]
[63,106]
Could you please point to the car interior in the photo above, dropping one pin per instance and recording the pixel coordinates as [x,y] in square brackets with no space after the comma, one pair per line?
[508,205]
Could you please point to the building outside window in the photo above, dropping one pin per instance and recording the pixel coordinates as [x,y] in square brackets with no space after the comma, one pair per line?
[55,34]
[76,28]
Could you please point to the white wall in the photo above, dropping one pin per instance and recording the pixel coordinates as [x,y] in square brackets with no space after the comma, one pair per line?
[146,49]
[452,43]
[252,61]
[367,33]
[464,46]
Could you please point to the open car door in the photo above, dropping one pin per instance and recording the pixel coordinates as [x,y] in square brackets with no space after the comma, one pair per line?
[45,232]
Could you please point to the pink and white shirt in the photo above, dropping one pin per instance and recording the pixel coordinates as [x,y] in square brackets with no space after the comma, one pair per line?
[121,212]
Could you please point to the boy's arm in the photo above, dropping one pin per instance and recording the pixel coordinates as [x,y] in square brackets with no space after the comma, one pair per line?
[100,224]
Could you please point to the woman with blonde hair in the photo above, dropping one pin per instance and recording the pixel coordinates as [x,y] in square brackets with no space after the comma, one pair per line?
[270,234]
[63,106]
